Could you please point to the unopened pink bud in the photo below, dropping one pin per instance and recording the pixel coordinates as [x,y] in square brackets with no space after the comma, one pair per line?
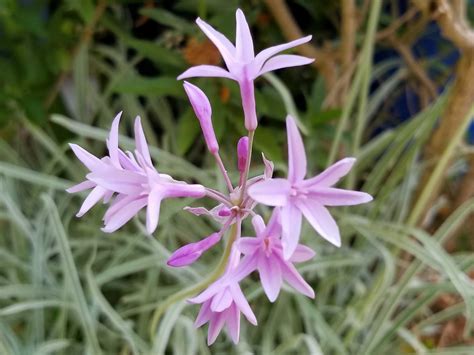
[202,109]
[242,153]
[191,252]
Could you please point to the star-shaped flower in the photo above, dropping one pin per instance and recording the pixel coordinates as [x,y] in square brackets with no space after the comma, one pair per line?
[243,65]
[296,196]
[265,254]
[129,180]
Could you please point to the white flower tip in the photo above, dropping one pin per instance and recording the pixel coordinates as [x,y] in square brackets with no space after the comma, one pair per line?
[310,293]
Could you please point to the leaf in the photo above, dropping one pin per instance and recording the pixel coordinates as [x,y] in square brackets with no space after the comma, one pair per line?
[140,85]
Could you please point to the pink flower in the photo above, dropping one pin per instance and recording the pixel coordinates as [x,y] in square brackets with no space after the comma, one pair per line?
[265,254]
[223,301]
[296,196]
[189,253]
[243,65]
[129,180]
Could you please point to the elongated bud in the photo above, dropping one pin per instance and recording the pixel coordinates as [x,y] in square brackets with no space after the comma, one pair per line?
[191,252]
[242,153]
[202,109]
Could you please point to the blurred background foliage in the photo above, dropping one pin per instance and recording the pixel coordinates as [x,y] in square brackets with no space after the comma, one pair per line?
[391,85]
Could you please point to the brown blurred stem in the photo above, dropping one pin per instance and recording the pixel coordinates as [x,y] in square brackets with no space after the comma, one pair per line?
[324,58]
[85,38]
[450,18]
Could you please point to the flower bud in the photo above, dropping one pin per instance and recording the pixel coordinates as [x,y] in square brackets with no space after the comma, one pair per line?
[202,109]
[191,252]
[242,153]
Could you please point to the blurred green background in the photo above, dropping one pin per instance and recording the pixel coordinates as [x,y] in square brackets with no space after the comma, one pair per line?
[391,85]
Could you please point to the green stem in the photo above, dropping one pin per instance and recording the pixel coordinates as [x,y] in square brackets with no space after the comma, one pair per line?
[187,292]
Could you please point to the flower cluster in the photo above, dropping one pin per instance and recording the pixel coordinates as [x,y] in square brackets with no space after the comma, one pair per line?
[129,182]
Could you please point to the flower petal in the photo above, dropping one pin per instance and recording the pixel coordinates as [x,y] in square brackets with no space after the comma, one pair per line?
[123,215]
[296,152]
[274,225]
[258,225]
[302,253]
[321,220]
[294,279]
[272,192]
[121,181]
[330,196]
[153,209]
[204,314]
[268,171]
[112,141]
[90,161]
[221,300]
[264,55]
[284,61]
[140,142]
[94,196]
[247,245]
[233,323]
[270,276]
[85,185]
[216,324]
[243,38]
[206,71]
[224,46]
[242,303]
[331,175]
[291,219]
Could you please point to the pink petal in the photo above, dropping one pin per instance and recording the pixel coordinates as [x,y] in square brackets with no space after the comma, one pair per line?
[85,185]
[264,55]
[204,314]
[208,292]
[284,61]
[233,323]
[296,152]
[258,225]
[121,181]
[206,71]
[221,300]
[243,38]
[94,196]
[248,246]
[140,142]
[270,276]
[119,202]
[330,196]
[224,46]
[247,265]
[291,219]
[153,209]
[191,252]
[90,161]
[331,175]
[268,171]
[321,220]
[302,253]
[112,141]
[274,225]
[123,215]
[216,324]
[242,303]
[294,279]
[272,192]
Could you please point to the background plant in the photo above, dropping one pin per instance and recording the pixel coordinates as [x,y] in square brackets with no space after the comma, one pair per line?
[400,282]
